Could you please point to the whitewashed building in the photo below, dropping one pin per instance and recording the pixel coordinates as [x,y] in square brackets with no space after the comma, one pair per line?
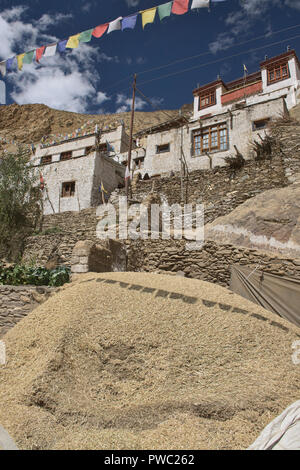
[227,117]
[73,173]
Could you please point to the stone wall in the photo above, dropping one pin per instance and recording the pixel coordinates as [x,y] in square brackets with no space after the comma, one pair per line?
[17,302]
[211,264]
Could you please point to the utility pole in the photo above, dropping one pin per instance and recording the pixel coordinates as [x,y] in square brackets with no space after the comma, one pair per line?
[128,181]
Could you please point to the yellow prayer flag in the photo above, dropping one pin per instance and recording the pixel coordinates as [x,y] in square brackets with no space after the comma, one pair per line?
[148,16]
[73,41]
[20,59]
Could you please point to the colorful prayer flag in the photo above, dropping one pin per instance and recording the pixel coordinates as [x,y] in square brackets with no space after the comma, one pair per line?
[20,59]
[148,16]
[50,50]
[100,30]
[9,63]
[39,53]
[165,10]
[245,69]
[200,4]
[61,46]
[86,36]
[3,68]
[129,22]
[127,174]
[114,25]
[73,42]
[28,58]
[180,7]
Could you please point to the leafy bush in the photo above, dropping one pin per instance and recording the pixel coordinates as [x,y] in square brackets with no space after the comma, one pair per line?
[19,275]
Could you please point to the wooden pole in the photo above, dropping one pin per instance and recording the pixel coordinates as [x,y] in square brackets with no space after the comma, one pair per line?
[128,182]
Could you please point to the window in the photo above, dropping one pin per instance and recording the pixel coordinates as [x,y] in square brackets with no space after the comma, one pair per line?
[88,150]
[163,148]
[278,72]
[68,189]
[139,163]
[103,148]
[65,156]
[210,139]
[46,159]
[261,124]
[208,99]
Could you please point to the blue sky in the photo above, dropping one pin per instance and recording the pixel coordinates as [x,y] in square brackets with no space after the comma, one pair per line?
[96,77]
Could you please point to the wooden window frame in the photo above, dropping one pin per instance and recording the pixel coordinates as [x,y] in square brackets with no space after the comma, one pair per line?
[71,190]
[199,136]
[275,69]
[46,159]
[64,156]
[158,147]
[263,120]
[212,99]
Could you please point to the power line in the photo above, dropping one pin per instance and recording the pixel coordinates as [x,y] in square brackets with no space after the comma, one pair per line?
[219,60]
[156,108]
[208,52]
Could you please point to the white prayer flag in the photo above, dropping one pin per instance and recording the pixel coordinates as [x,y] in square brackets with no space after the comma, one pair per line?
[127,174]
[115,25]
[200,4]
[3,68]
[50,51]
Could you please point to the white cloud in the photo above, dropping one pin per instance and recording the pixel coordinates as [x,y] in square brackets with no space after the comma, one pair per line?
[132,3]
[68,82]
[241,21]
[293,4]
[124,103]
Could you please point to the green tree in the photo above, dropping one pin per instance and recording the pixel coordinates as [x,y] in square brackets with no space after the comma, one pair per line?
[20,202]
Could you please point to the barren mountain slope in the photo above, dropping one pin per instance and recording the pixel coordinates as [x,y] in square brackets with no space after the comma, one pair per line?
[29,123]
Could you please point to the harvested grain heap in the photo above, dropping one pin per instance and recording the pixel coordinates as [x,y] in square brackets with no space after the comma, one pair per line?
[114,362]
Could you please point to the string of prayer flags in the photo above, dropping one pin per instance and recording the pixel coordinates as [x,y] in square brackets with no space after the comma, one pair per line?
[100,30]
[50,50]
[20,59]
[39,53]
[129,22]
[177,7]
[148,16]
[115,25]
[165,10]
[86,36]
[3,68]
[73,42]
[180,7]
[200,4]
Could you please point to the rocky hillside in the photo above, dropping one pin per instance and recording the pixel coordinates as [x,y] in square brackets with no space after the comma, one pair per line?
[29,123]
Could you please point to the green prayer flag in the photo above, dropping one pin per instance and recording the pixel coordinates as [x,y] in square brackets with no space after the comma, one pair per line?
[164,10]
[86,36]
[28,58]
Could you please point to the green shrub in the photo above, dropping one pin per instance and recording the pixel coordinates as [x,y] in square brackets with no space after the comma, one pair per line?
[19,275]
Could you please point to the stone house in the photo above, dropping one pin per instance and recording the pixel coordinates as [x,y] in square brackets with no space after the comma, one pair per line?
[227,117]
[73,171]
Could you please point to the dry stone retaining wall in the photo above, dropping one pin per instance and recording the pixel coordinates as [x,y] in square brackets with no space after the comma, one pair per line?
[17,302]
[212,263]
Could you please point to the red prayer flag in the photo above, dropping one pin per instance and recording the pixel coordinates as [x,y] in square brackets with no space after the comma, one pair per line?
[42,182]
[39,53]
[100,30]
[180,7]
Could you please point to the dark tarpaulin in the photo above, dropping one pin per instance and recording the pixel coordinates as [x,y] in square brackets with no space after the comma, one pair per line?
[277,294]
